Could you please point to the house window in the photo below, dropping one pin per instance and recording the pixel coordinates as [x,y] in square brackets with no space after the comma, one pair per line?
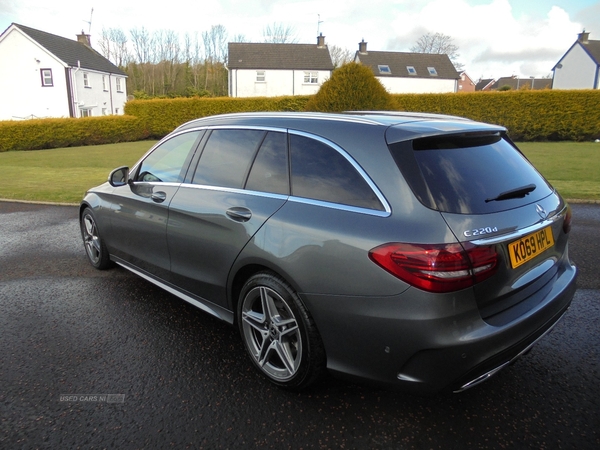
[86,80]
[432,71]
[104,85]
[311,77]
[119,87]
[260,76]
[411,70]
[385,69]
[104,112]
[47,77]
[86,113]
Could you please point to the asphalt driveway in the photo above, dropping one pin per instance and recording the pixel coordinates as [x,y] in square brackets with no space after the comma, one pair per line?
[105,359]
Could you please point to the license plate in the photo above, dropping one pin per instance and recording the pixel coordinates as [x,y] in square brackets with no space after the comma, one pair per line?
[530,246]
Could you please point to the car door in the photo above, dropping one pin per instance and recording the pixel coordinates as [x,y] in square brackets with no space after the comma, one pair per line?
[139,210]
[241,179]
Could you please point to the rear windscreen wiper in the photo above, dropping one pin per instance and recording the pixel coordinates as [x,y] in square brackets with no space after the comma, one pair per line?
[513,193]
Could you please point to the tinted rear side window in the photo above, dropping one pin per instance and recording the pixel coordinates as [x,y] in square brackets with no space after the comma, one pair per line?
[227,157]
[320,172]
[270,170]
[468,174]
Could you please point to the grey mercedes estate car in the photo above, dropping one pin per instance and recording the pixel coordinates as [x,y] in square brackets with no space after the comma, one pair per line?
[415,251]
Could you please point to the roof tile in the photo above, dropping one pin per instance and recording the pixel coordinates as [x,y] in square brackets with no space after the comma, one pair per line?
[71,52]
[278,56]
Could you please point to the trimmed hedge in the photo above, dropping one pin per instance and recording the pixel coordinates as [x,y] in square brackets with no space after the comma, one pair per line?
[162,116]
[554,115]
[37,134]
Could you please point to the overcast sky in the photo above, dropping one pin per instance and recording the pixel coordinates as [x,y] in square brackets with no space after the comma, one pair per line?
[495,37]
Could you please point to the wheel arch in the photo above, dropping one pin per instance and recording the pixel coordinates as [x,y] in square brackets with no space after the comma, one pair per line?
[240,275]
[91,201]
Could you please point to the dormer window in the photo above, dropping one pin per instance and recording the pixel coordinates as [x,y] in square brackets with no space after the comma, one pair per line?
[384,69]
[411,70]
[432,71]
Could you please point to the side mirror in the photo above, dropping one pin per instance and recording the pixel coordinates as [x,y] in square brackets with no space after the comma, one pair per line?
[119,177]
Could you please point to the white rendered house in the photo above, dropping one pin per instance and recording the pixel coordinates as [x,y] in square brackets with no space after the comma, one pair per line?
[410,73]
[579,68]
[43,75]
[272,70]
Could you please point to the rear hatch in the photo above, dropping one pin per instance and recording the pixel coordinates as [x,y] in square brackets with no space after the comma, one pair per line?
[490,195]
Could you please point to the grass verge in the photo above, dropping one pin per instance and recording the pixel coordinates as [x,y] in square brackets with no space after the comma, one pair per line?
[63,175]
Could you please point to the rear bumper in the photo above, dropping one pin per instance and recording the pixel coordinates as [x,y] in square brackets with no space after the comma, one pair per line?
[423,345]
[502,362]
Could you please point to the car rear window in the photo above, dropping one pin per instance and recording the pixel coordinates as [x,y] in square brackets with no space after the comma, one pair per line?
[472,173]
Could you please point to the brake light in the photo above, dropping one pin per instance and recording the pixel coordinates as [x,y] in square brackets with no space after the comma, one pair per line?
[437,267]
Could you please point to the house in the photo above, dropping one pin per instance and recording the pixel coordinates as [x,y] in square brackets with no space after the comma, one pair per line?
[466,83]
[271,70]
[485,84]
[410,72]
[44,75]
[579,68]
[515,83]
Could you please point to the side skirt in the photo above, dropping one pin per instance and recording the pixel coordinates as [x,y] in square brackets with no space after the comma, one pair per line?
[204,305]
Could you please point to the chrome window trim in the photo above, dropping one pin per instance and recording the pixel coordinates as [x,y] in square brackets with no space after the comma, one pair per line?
[157,183]
[339,206]
[387,211]
[357,167]
[208,187]
[306,201]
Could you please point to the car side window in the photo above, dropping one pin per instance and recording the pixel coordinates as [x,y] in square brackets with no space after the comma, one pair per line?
[270,170]
[167,162]
[320,172]
[227,156]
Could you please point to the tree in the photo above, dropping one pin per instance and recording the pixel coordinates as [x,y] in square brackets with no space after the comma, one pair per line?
[215,50]
[340,56]
[113,46]
[439,44]
[278,33]
[352,87]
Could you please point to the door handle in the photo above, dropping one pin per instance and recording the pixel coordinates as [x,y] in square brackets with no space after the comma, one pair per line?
[159,196]
[239,214]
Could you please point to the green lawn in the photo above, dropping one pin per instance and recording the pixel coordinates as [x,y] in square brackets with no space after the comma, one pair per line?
[63,175]
[573,168]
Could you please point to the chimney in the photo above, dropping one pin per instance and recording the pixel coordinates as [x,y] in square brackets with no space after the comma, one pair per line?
[362,47]
[84,39]
[583,37]
[320,41]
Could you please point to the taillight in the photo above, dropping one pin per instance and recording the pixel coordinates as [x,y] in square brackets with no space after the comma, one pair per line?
[567,222]
[437,267]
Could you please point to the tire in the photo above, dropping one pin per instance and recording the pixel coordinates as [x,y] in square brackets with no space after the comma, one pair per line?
[94,245]
[279,334]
